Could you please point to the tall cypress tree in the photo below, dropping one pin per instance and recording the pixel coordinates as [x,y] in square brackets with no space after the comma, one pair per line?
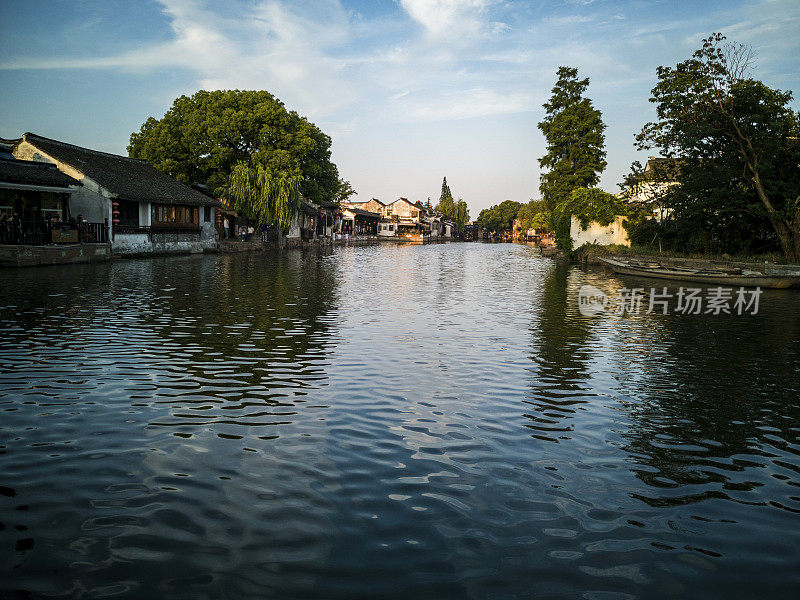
[573,129]
[446,205]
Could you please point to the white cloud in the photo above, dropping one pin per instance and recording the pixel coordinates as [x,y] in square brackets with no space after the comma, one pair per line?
[438,16]
[466,104]
[272,45]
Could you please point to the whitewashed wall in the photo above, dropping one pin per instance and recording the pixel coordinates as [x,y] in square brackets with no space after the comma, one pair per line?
[613,233]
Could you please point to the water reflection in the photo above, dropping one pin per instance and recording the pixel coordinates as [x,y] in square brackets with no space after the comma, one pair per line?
[436,421]
[560,378]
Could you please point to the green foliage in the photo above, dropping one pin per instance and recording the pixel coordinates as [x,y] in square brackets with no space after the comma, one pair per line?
[263,196]
[534,215]
[573,129]
[457,211]
[737,142]
[461,215]
[500,217]
[587,205]
[446,204]
[343,191]
[202,139]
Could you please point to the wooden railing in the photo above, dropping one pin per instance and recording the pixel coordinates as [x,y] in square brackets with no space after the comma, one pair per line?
[41,233]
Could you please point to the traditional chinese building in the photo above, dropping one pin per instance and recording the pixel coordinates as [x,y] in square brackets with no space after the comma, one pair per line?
[358,222]
[146,210]
[410,219]
[34,200]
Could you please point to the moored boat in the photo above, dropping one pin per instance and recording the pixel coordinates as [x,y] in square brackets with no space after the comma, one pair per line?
[702,273]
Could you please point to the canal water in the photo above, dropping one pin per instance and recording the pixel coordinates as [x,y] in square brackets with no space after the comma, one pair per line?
[389,422]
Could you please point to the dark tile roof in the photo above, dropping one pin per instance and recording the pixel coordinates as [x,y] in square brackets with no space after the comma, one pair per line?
[308,208]
[667,169]
[363,213]
[26,172]
[128,178]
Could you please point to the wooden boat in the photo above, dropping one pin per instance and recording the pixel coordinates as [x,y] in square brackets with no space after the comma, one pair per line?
[720,276]
[413,237]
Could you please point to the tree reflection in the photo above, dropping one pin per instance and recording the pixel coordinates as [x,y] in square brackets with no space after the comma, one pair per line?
[231,339]
[713,399]
[559,382]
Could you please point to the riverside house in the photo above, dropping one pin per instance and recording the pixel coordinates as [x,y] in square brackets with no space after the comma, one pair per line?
[146,210]
[372,205]
[359,222]
[410,219]
[38,194]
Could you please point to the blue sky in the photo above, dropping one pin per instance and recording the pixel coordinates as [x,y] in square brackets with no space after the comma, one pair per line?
[409,90]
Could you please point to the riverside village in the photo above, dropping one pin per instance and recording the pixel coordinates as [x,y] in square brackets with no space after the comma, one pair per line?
[423,298]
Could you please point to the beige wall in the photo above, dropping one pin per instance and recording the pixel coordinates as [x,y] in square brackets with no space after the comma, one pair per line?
[404,209]
[614,233]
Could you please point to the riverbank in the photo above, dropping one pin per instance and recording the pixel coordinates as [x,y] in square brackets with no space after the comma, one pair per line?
[590,255]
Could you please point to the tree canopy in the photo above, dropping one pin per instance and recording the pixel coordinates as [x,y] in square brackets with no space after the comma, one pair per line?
[254,192]
[573,130]
[499,217]
[737,142]
[533,214]
[461,215]
[343,191]
[210,137]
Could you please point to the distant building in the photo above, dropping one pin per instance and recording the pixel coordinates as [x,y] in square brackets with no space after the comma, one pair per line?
[660,174]
[409,218]
[373,205]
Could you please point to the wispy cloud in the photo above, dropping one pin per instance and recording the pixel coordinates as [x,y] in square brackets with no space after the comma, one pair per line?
[468,104]
[439,16]
[445,64]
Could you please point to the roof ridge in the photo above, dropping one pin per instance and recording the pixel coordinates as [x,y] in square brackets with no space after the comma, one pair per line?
[29,163]
[41,137]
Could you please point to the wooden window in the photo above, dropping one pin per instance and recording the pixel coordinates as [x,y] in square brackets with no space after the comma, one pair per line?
[176,215]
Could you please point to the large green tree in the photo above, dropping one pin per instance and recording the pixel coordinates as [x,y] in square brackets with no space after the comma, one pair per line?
[737,141]
[206,137]
[499,217]
[457,211]
[573,130]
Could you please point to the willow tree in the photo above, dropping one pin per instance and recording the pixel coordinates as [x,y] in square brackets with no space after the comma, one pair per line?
[573,130]
[461,215]
[265,196]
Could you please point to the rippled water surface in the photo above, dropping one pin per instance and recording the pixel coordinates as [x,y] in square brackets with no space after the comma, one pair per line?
[378,422]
